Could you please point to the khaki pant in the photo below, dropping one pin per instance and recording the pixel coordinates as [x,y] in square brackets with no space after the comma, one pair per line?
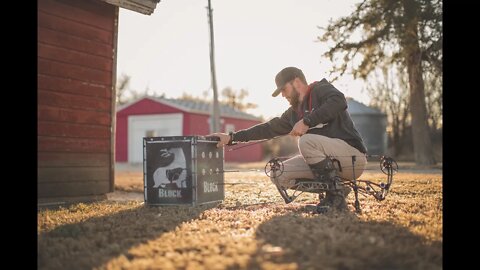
[313,149]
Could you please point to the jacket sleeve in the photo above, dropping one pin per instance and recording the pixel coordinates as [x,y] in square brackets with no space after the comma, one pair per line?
[331,102]
[267,130]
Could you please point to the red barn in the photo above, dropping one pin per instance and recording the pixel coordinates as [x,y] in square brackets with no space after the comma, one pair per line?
[77,48]
[150,117]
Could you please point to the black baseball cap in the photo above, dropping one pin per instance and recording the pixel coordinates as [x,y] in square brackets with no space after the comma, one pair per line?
[284,76]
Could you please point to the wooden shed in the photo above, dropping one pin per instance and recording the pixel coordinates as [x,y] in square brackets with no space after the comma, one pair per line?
[152,117]
[77,47]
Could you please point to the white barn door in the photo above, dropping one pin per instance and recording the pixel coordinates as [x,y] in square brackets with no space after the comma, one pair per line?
[140,126]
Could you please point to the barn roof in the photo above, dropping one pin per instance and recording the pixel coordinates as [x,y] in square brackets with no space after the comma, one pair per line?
[357,108]
[197,106]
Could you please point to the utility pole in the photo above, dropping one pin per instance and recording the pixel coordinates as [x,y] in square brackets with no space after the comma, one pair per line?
[215,119]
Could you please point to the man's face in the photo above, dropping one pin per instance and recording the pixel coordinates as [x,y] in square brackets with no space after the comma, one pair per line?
[291,94]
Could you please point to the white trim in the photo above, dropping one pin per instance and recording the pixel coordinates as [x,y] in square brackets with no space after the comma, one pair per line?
[156,122]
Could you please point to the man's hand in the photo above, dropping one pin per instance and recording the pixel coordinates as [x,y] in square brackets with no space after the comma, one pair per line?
[224,138]
[299,129]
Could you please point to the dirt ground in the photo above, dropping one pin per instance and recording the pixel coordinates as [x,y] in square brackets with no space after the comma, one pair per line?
[129,177]
[251,229]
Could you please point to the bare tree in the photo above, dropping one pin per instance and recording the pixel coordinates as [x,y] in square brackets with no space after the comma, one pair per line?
[434,101]
[384,32]
[187,96]
[122,89]
[235,99]
[387,95]
[125,94]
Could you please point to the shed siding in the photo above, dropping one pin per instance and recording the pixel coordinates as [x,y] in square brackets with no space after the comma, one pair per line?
[75,70]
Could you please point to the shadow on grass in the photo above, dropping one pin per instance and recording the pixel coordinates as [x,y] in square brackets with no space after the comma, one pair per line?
[91,243]
[342,241]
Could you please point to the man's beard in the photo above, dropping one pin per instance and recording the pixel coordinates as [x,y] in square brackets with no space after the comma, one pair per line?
[295,98]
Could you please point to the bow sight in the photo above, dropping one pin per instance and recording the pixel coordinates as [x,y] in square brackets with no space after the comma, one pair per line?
[275,167]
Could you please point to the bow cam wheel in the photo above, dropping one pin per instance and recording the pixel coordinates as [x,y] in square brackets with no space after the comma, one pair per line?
[274,166]
[387,165]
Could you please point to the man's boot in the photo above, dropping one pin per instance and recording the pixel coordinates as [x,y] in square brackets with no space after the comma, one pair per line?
[325,203]
[325,171]
[339,201]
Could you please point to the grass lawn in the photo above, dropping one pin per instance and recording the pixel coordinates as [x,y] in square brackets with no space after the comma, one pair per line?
[252,229]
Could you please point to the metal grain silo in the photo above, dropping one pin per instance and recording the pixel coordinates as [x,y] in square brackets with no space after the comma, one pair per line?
[372,125]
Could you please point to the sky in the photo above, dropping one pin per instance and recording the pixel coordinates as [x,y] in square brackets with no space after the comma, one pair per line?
[169,51]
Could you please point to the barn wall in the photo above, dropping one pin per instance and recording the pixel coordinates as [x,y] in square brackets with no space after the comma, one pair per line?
[76,45]
[121,138]
[194,124]
[251,153]
[147,106]
[198,125]
[142,107]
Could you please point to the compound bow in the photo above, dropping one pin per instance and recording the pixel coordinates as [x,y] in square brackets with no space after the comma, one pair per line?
[379,191]
[274,168]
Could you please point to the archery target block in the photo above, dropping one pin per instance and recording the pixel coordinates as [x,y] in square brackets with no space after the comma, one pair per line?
[182,170]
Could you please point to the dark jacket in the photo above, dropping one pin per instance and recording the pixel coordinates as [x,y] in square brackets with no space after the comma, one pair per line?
[328,106]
